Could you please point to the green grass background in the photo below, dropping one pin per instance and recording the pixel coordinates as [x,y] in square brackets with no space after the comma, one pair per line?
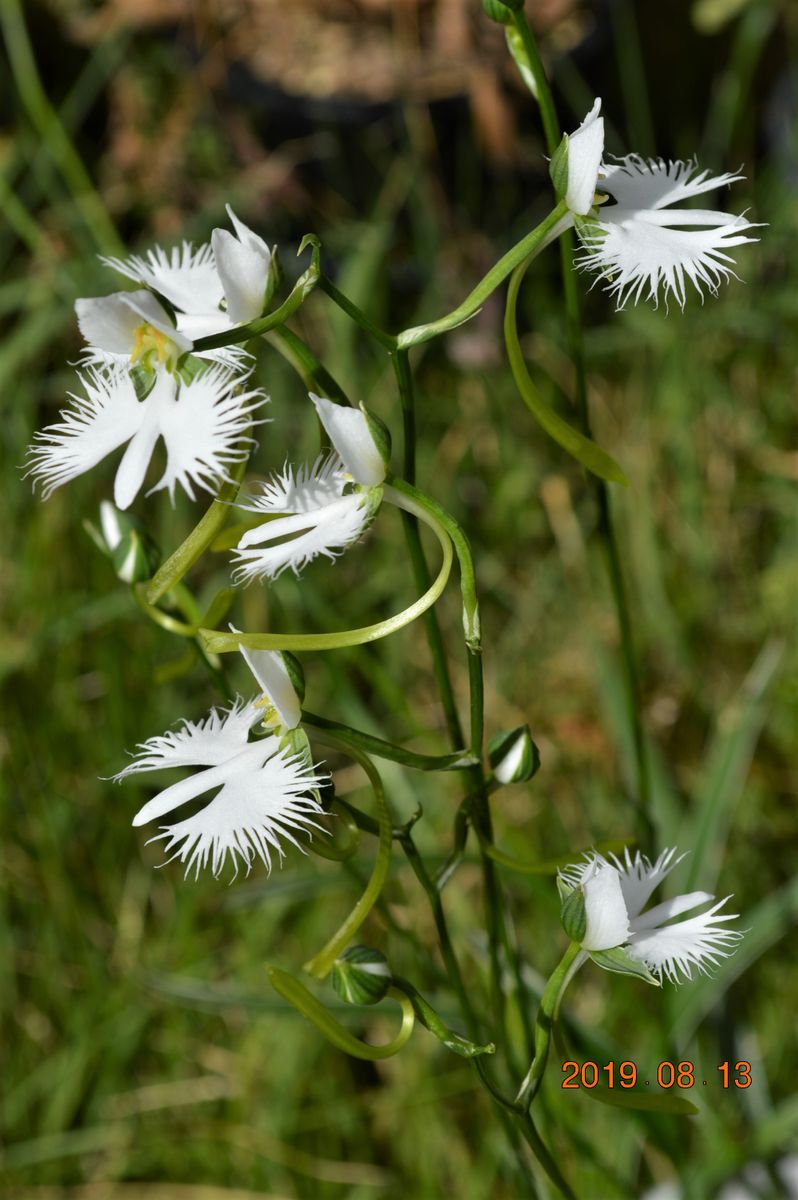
[144,1056]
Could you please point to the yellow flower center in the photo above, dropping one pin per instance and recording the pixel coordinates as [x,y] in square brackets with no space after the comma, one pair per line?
[151,346]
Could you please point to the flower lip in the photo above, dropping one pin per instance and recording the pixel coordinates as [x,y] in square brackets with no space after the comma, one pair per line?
[641,244]
[263,792]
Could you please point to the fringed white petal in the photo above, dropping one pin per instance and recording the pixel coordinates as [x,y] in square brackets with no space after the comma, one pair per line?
[206,429]
[640,247]
[639,877]
[585,148]
[299,490]
[326,531]
[186,276]
[700,942]
[96,425]
[206,743]
[262,791]
[607,918]
[347,429]
[637,183]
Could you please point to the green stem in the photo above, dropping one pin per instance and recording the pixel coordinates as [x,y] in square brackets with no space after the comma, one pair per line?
[300,291]
[298,995]
[418,559]
[220,642]
[447,950]
[321,964]
[405,496]
[312,372]
[357,314]
[198,541]
[533,243]
[547,1013]
[388,750]
[543,1154]
[607,534]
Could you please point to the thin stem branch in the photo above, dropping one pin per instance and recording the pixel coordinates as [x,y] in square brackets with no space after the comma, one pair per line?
[357,314]
[606,528]
[380,748]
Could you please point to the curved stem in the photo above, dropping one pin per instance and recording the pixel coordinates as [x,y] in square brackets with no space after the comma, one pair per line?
[321,963]
[409,498]
[382,749]
[220,642]
[298,995]
[547,1014]
[540,237]
[304,361]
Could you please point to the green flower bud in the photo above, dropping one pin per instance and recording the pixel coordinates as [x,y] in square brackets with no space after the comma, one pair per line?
[497,11]
[513,756]
[515,44]
[132,551]
[573,914]
[361,975]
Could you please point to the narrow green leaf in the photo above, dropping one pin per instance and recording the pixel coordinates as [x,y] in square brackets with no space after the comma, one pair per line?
[642,1101]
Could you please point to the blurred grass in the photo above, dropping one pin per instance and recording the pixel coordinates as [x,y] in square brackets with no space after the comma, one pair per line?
[144,1056]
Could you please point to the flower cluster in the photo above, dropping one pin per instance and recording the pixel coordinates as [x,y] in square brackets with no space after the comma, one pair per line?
[142,381]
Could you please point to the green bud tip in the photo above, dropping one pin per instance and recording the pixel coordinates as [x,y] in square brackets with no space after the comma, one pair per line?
[361,975]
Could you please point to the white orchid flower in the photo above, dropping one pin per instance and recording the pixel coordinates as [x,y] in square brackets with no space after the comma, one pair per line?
[315,510]
[263,791]
[640,244]
[204,423]
[212,289]
[615,893]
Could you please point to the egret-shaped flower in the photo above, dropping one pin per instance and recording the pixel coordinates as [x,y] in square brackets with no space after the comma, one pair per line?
[205,424]
[263,791]
[317,510]
[212,289]
[614,894]
[640,244]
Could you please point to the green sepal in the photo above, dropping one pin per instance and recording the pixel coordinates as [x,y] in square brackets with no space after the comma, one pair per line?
[295,673]
[589,231]
[428,1017]
[515,749]
[573,914]
[361,975]
[274,279]
[558,168]
[381,435]
[296,742]
[619,961]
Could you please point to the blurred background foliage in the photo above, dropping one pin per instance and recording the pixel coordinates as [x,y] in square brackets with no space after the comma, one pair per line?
[144,1056]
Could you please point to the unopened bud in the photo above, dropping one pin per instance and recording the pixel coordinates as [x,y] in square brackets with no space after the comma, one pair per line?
[361,975]
[513,756]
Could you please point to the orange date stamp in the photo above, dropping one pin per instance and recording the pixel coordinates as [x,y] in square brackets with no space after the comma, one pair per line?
[665,1075]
